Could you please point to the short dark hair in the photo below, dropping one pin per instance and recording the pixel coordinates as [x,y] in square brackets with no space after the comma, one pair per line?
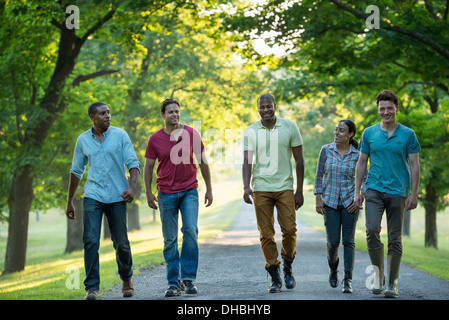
[166,102]
[387,95]
[266,96]
[93,107]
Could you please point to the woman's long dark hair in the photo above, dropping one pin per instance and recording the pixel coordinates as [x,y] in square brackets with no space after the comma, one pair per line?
[352,128]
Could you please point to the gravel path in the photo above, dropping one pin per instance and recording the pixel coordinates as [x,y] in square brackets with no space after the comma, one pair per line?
[232,268]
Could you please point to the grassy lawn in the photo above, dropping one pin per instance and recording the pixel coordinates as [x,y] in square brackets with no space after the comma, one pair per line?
[51,274]
[430,260]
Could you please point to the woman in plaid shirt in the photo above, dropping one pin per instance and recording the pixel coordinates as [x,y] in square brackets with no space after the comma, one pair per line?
[334,198]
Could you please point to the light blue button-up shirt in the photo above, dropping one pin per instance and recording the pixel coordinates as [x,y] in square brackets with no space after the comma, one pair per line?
[106,179]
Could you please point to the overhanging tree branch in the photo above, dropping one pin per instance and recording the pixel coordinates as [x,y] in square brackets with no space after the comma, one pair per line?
[389,26]
[202,89]
[56,23]
[86,77]
[96,26]
[342,28]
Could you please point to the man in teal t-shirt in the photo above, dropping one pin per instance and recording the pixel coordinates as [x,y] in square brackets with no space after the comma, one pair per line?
[393,151]
[272,141]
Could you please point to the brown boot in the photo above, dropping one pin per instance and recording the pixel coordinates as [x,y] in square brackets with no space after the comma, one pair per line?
[128,288]
[91,295]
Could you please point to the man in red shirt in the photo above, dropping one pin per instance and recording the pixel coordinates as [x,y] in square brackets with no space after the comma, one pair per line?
[177,149]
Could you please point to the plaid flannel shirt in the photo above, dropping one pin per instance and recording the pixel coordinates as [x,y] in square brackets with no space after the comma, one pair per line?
[339,175]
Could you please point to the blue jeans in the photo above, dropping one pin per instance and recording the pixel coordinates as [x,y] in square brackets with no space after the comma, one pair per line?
[116,214]
[169,206]
[340,223]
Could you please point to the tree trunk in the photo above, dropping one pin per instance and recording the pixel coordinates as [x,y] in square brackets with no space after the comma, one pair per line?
[75,229]
[20,198]
[21,192]
[430,206]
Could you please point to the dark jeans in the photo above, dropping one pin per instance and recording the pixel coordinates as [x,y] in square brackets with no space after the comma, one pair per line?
[340,222]
[116,214]
[375,204]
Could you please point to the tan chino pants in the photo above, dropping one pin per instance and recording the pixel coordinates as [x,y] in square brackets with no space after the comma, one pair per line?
[264,203]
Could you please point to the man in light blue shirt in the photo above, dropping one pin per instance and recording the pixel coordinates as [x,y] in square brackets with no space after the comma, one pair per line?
[106,150]
[393,151]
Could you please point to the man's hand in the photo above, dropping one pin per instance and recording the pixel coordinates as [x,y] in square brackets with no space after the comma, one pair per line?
[358,200]
[74,182]
[70,211]
[299,200]
[208,198]
[412,202]
[151,199]
[353,208]
[128,195]
[248,195]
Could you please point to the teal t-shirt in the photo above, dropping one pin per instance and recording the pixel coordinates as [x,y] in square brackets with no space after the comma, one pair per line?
[389,170]
[272,168]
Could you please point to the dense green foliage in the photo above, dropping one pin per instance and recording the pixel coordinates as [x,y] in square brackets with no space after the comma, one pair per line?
[130,55]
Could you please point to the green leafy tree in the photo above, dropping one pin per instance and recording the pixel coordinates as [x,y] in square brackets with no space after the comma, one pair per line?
[128,54]
[40,52]
[333,48]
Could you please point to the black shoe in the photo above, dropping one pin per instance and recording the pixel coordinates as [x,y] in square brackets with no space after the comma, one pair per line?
[276,282]
[189,287]
[347,282]
[333,273]
[173,291]
[289,279]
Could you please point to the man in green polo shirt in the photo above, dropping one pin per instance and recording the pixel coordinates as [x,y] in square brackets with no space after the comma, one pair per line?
[393,151]
[272,141]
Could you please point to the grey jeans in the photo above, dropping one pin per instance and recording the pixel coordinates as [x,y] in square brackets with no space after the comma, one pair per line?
[375,204]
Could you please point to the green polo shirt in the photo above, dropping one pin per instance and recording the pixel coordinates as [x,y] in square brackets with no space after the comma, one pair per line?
[272,168]
[389,170]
